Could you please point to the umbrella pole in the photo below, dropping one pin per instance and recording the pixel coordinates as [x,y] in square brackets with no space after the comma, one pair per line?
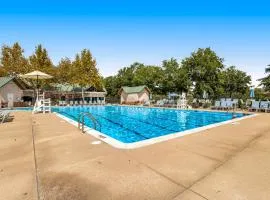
[37,88]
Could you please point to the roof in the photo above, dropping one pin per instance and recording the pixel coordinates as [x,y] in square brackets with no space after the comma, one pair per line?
[76,88]
[4,80]
[20,82]
[136,89]
[64,87]
[36,74]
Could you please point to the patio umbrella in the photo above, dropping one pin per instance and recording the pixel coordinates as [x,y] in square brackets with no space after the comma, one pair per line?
[36,75]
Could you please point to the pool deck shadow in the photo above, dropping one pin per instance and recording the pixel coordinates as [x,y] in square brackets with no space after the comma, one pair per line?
[226,162]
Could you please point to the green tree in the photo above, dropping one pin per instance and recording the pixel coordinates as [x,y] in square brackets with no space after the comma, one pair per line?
[151,76]
[40,61]
[265,82]
[126,75]
[85,71]
[111,85]
[204,69]
[170,68]
[260,94]
[235,82]
[65,73]
[12,60]
[175,77]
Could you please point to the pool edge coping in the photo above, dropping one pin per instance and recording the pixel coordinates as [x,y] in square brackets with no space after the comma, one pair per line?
[121,145]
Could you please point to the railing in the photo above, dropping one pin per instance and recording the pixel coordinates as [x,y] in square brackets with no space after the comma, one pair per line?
[81,121]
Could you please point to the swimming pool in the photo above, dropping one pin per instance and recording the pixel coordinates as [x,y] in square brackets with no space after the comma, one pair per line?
[130,125]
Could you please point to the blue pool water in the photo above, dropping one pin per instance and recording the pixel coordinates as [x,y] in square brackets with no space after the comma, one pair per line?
[133,124]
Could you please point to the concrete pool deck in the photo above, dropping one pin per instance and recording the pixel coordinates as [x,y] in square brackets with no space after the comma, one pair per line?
[227,162]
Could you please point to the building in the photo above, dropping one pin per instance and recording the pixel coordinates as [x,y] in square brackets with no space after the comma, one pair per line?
[134,95]
[74,93]
[15,92]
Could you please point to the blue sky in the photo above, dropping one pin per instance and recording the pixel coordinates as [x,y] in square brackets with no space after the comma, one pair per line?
[121,32]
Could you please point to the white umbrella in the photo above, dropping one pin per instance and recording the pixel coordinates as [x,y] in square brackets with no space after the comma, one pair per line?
[36,75]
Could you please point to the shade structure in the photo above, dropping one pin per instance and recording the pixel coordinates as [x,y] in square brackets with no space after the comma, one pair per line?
[37,75]
[252,93]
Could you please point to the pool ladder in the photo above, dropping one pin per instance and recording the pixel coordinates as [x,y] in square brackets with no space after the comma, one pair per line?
[81,121]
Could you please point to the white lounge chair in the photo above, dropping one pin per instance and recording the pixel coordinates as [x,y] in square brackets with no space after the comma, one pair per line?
[264,106]
[75,103]
[223,104]
[62,103]
[4,116]
[71,103]
[229,104]
[235,102]
[160,103]
[255,106]
[217,105]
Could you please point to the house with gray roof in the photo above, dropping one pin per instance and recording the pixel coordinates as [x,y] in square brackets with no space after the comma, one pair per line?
[134,95]
[14,92]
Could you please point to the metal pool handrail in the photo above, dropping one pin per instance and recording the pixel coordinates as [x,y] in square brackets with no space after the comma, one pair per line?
[81,121]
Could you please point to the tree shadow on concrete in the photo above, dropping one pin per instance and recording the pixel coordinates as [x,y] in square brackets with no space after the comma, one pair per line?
[67,186]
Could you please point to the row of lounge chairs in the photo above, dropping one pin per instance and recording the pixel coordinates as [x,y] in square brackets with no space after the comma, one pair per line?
[4,116]
[166,103]
[263,106]
[77,103]
[225,104]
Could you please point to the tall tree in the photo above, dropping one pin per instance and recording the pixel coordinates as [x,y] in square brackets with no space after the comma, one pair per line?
[40,60]
[112,86]
[235,82]
[85,70]
[170,68]
[65,73]
[12,60]
[126,75]
[204,68]
[265,82]
[175,77]
[151,76]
